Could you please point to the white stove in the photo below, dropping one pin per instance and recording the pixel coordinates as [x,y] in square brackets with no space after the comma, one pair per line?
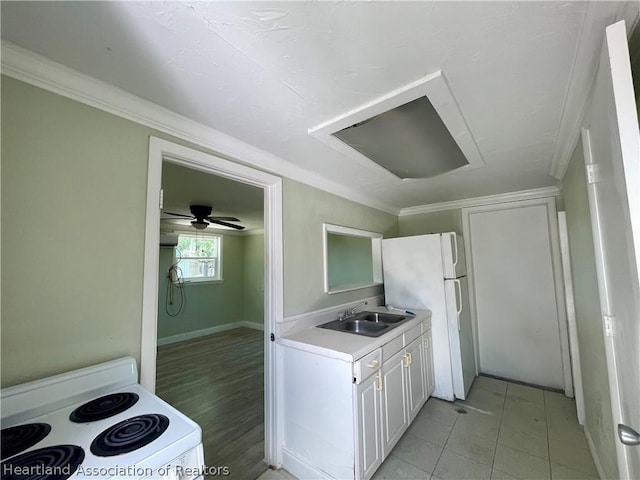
[143,436]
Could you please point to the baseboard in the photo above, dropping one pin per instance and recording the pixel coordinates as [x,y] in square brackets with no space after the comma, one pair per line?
[254,325]
[526,384]
[299,468]
[594,453]
[181,337]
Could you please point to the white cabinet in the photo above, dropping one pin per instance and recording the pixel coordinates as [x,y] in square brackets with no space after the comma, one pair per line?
[403,392]
[341,419]
[429,378]
[416,385]
[369,426]
[394,416]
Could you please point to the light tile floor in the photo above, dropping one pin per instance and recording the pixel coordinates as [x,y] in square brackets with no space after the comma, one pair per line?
[509,431]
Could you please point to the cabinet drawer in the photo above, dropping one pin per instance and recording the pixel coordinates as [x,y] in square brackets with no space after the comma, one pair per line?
[367,365]
[391,348]
[411,335]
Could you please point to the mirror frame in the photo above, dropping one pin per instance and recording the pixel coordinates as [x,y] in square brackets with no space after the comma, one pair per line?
[376,254]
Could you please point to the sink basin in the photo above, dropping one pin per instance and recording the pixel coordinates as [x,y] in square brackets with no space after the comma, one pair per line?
[370,324]
[359,327]
[380,317]
[363,326]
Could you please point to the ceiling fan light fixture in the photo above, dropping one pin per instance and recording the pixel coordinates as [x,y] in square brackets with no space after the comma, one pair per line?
[199,224]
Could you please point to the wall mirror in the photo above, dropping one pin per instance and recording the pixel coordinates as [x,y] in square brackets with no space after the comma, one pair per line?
[352,258]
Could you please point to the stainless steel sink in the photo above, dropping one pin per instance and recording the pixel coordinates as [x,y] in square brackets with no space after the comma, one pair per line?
[380,317]
[370,324]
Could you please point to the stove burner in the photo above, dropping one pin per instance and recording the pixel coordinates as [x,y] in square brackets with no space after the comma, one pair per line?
[19,438]
[103,407]
[58,462]
[129,435]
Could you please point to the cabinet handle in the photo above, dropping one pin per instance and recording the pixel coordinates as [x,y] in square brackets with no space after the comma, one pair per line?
[373,363]
[406,360]
[379,377]
[410,358]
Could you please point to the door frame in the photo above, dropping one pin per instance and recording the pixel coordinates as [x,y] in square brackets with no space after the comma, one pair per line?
[162,150]
[556,260]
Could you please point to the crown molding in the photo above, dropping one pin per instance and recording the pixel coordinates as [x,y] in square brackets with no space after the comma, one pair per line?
[486,200]
[597,16]
[34,69]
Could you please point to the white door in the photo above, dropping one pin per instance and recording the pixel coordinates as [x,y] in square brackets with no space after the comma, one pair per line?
[516,275]
[369,426]
[612,153]
[463,360]
[417,389]
[429,380]
[394,405]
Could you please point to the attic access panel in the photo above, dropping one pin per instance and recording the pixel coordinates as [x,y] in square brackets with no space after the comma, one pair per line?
[410,141]
[416,131]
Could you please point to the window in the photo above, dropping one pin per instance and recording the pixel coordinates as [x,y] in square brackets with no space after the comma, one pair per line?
[200,257]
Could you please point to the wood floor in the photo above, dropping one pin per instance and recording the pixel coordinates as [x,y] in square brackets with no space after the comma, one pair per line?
[218,381]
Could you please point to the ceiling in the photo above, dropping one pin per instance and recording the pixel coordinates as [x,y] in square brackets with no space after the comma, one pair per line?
[268,72]
[184,186]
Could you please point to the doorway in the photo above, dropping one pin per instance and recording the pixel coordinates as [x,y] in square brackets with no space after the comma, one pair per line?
[163,151]
[513,250]
[210,357]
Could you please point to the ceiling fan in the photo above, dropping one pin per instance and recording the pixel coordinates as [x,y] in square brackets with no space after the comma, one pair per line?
[201,215]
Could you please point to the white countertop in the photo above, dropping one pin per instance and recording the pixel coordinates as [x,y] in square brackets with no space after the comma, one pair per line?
[348,346]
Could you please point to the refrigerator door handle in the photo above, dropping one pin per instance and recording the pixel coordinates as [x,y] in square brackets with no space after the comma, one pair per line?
[455,253]
[458,301]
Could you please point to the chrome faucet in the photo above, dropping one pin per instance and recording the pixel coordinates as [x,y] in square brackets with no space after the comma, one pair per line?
[350,312]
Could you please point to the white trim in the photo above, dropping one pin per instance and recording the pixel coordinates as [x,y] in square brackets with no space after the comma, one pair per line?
[162,150]
[218,258]
[485,200]
[37,70]
[298,467]
[181,337]
[254,325]
[434,86]
[594,453]
[574,345]
[376,253]
[575,108]
[552,221]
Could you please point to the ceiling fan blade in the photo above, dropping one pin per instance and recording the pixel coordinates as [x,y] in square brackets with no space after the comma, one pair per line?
[231,225]
[178,215]
[224,219]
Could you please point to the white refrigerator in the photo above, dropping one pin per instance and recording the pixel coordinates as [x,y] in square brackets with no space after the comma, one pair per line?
[429,272]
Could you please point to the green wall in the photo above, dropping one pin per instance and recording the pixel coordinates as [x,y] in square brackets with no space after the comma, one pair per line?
[305,209]
[73,217]
[349,260]
[434,222]
[207,304]
[73,210]
[595,380]
[253,279]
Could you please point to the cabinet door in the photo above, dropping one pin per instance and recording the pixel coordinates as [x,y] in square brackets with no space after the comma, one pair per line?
[368,397]
[414,369]
[394,405]
[428,364]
